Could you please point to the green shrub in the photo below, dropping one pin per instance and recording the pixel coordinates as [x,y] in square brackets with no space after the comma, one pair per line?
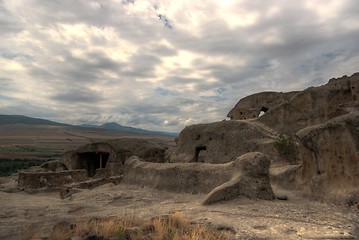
[287,148]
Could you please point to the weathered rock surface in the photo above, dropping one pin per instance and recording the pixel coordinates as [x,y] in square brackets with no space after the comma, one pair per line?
[251,180]
[285,176]
[247,176]
[330,154]
[251,106]
[177,177]
[54,165]
[325,119]
[35,180]
[291,112]
[222,142]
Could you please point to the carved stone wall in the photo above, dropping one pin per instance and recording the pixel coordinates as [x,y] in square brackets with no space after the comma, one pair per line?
[35,180]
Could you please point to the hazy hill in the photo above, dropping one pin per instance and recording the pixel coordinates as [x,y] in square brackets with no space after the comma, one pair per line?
[19,119]
[118,127]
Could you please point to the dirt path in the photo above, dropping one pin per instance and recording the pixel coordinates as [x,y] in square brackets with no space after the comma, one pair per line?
[296,218]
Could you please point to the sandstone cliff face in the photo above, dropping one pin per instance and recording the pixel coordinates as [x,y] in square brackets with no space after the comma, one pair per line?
[326,118]
[330,155]
[222,142]
[291,112]
[251,106]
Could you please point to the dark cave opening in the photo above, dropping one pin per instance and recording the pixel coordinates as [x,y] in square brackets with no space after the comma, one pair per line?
[200,154]
[263,111]
[92,161]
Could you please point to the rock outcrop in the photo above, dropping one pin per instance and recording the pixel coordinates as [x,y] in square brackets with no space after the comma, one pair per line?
[286,176]
[251,180]
[325,116]
[251,106]
[222,142]
[330,155]
[177,177]
[247,176]
[291,112]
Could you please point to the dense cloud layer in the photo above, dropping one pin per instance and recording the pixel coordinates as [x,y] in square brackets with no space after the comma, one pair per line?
[163,65]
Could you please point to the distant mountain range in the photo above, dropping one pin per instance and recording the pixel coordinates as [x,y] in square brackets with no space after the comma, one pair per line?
[117,127]
[19,119]
[112,126]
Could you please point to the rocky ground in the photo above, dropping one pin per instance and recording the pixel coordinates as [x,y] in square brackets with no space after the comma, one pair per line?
[295,218]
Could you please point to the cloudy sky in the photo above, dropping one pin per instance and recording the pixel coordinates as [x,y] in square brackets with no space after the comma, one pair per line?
[162,65]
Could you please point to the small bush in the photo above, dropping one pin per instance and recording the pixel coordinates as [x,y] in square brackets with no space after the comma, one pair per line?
[287,148]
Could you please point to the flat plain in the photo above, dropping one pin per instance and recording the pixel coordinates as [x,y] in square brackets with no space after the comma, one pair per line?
[42,142]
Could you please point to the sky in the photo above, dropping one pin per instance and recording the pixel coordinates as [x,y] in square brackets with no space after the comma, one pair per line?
[164,65]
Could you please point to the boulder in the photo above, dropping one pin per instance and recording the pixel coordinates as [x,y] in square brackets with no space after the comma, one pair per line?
[250,181]
[330,155]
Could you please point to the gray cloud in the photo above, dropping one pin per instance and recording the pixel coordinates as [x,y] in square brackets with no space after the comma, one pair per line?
[165,92]
[78,96]
[128,1]
[8,22]
[16,56]
[166,64]
[5,83]
[142,65]
[166,22]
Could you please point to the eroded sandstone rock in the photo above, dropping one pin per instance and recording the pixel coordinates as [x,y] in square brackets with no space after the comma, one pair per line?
[176,177]
[330,154]
[251,180]
[288,113]
[247,176]
[251,106]
[222,142]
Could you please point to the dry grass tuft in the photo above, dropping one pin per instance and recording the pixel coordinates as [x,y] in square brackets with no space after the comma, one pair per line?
[62,230]
[29,233]
[168,227]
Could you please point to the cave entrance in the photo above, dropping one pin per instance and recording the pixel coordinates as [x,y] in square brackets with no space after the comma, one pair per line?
[263,111]
[200,154]
[92,161]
